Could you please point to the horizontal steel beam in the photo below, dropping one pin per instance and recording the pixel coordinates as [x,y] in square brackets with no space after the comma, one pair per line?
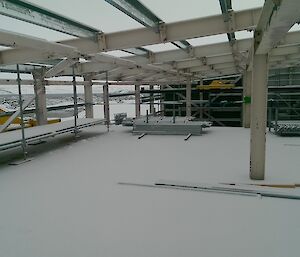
[34,14]
[18,40]
[176,31]
[201,56]
[137,11]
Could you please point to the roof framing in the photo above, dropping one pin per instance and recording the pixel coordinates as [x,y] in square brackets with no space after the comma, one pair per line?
[176,31]
[197,62]
[34,14]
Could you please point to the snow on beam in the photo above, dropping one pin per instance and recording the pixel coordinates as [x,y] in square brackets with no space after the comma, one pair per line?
[17,40]
[60,67]
[210,60]
[206,54]
[105,58]
[34,14]
[181,30]
[275,21]
[212,67]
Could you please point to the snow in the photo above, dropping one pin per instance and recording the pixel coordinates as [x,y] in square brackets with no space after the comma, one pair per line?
[67,201]
[34,133]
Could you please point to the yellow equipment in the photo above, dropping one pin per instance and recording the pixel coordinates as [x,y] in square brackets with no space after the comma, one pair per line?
[29,122]
[216,84]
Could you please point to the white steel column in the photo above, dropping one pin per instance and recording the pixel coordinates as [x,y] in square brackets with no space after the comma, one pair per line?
[258,116]
[88,97]
[188,98]
[151,100]
[40,96]
[137,101]
[247,85]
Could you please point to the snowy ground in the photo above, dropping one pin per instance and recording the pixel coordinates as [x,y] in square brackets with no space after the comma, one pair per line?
[66,201]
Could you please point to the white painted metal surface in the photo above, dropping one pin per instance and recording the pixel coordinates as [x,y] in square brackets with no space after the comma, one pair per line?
[258,117]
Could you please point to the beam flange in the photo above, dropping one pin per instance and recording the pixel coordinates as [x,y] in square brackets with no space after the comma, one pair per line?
[34,14]
[275,21]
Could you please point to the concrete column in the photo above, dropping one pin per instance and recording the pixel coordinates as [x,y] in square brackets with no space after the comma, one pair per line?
[151,100]
[88,97]
[258,116]
[40,96]
[137,101]
[247,85]
[188,99]
[106,104]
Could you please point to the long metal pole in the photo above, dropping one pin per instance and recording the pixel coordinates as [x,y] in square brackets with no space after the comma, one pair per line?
[21,113]
[137,101]
[75,102]
[106,101]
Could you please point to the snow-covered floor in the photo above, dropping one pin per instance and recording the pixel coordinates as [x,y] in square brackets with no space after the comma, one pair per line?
[66,201]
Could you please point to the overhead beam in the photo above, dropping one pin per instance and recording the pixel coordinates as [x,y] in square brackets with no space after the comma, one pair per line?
[81,83]
[214,51]
[207,55]
[60,67]
[139,12]
[37,15]
[104,58]
[176,31]
[229,20]
[18,40]
[275,21]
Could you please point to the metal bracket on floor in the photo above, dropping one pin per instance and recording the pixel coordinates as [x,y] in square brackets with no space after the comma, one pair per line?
[187,137]
[144,134]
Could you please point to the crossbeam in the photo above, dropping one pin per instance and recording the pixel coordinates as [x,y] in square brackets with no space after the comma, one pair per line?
[175,31]
[276,20]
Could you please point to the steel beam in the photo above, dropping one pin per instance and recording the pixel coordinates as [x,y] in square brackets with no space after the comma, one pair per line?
[18,40]
[275,21]
[176,31]
[137,101]
[139,12]
[61,66]
[34,14]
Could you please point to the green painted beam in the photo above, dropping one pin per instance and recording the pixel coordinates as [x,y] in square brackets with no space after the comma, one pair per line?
[226,6]
[137,11]
[34,14]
